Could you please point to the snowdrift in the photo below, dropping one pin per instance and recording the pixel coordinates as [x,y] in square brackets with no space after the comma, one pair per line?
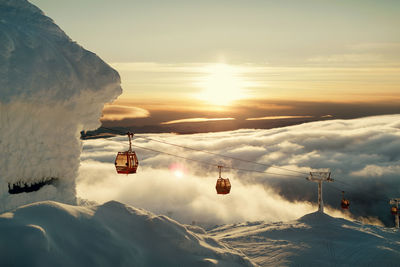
[54,234]
[315,239]
[50,89]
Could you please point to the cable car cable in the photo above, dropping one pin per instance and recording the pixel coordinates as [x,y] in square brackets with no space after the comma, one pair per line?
[208,152]
[216,154]
[212,164]
[216,165]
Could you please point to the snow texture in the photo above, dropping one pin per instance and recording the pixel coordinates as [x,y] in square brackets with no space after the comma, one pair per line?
[53,234]
[316,239]
[50,89]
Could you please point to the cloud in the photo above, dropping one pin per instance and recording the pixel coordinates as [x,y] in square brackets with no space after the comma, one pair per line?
[347,147]
[120,112]
[197,120]
[380,46]
[376,171]
[346,58]
[277,118]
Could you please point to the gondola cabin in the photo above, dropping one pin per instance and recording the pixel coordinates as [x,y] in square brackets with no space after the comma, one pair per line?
[345,204]
[127,162]
[223,185]
[393,210]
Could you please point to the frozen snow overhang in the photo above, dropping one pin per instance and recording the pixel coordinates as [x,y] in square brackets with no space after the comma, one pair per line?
[22,187]
[51,88]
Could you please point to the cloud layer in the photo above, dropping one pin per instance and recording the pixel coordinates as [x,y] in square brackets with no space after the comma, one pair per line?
[362,155]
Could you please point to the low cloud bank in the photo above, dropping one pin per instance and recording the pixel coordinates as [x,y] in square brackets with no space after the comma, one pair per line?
[361,153]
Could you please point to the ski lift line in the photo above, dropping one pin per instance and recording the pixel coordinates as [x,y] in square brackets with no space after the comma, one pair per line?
[232,168]
[216,165]
[334,187]
[211,164]
[220,155]
[211,153]
[342,182]
[372,198]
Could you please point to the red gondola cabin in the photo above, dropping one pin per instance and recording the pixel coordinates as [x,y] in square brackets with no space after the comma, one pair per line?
[223,185]
[344,203]
[393,210]
[127,162]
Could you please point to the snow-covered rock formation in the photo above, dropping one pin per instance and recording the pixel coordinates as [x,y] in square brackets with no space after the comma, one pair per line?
[53,234]
[50,89]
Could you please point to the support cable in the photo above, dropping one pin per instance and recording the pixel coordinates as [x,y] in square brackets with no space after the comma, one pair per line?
[211,153]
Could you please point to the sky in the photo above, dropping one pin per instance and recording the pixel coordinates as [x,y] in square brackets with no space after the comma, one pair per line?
[237,60]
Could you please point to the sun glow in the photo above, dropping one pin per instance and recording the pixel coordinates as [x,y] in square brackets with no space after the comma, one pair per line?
[178,170]
[178,173]
[222,85]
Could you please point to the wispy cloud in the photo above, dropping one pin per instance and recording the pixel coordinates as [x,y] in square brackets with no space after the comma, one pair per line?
[197,120]
[327,116]
[347,58]
[120,112]
[278,118]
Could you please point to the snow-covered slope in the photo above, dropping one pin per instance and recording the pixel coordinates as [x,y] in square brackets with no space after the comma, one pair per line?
[315,239]
[54,234]
[113,234]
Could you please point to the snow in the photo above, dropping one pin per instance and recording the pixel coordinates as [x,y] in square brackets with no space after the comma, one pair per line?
[50,89]
[113,234]
[315,239]
[50,233]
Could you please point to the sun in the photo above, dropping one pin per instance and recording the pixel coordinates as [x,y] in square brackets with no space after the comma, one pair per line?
[221,85]
[178,173]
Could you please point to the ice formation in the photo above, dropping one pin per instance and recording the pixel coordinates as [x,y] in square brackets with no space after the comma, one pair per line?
[50,89]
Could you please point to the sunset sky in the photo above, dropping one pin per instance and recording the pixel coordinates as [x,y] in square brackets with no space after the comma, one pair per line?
[240,63]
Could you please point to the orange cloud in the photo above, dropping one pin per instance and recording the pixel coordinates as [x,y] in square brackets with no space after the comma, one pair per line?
[120,112]
[277,118]
[198,120]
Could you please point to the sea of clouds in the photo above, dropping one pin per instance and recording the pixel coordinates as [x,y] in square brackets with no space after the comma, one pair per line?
[362,154]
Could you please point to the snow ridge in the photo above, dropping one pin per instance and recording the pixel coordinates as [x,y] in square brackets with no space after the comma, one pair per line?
[315,239]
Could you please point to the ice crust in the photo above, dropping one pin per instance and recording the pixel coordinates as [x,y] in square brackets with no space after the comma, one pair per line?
[50,89]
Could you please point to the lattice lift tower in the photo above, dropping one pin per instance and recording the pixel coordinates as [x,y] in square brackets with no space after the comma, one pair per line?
[320,177]
[395,202]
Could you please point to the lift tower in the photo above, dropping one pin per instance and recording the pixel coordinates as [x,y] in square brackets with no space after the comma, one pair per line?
[320,177]
[395,202]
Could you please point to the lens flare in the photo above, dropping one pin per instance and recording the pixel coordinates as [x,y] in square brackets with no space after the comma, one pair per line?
[178,170]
